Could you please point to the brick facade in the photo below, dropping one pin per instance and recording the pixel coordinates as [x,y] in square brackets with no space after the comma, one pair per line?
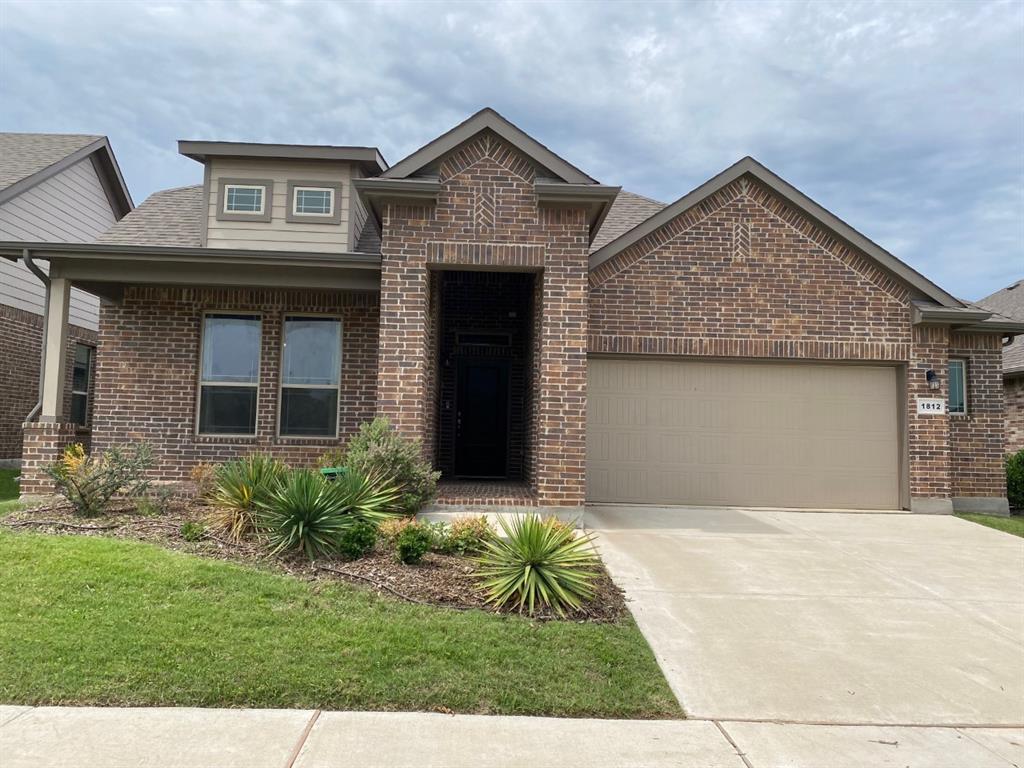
[44,443]
[745,275]
[149,367]
[21,338]
[1013,395]
[487,216]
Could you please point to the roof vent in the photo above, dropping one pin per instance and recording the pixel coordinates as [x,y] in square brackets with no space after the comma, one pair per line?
[1015,285]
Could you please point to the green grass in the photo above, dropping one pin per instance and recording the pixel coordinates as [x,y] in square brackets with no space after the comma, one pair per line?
[8,485]
[110,622]
[1014,525]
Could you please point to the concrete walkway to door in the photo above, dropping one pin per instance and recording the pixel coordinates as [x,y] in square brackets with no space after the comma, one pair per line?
[814,617]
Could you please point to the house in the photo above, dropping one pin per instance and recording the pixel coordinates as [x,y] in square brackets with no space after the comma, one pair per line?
[551,340]
[63,189]
[1009,302]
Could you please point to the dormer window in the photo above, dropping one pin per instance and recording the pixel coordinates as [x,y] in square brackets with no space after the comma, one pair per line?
[245,199]
[314,202]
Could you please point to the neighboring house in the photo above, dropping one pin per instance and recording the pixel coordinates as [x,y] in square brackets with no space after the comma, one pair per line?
[1009,302]
[61,189]
[550,339]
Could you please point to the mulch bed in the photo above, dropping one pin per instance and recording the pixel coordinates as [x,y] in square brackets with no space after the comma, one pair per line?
[439,580]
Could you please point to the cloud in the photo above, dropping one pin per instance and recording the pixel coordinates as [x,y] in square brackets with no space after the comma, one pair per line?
[906,120]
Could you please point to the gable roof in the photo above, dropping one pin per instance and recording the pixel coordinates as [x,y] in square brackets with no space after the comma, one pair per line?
[628,210]
[486,119]
[793,196]
[28,159]
[171,217]
[1010,303]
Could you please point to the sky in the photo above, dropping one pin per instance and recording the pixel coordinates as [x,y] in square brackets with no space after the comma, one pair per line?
[906,120]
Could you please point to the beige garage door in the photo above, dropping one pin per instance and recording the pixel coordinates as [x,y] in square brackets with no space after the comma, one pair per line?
[744,434]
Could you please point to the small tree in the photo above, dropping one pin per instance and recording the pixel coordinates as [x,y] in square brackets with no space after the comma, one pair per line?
[89,482]
[379,451]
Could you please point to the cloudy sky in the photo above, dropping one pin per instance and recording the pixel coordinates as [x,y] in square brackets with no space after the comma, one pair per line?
[904,119]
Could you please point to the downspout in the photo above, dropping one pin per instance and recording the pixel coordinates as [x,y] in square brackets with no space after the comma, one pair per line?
[35,270]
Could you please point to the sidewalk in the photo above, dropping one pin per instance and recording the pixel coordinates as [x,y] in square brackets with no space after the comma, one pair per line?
[89,737]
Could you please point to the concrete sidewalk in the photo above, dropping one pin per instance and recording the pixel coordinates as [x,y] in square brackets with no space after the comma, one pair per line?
[90,737]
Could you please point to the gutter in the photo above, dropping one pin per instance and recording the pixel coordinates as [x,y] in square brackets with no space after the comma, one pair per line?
[35,270]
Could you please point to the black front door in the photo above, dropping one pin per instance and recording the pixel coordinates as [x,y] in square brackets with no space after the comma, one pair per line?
[481,418]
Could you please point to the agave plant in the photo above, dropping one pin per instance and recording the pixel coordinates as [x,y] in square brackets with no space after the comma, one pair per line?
[306,512]
[371,497]
[538,562]
[240,487]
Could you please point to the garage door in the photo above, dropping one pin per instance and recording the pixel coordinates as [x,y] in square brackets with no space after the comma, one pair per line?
[743,434]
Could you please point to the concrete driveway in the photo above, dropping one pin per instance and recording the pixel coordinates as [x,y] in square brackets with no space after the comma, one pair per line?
[814,617]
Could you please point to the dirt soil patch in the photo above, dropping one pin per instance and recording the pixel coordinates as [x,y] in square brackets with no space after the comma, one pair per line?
[440,580]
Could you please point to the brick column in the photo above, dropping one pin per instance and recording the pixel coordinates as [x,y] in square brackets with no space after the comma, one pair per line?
[44,443]
[928,434]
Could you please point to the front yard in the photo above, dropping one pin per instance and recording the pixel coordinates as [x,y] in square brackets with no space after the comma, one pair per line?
[1014,525]
[92,620]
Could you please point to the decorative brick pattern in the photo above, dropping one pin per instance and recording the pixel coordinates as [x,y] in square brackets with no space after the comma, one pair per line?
[1013,396]
[469,493]
[416,238]
[21,338]
[149,368]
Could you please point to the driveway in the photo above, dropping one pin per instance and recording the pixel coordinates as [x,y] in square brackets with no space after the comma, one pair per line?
[814,617]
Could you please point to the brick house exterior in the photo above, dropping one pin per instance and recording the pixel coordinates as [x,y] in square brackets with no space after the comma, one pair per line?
[744,270]
[1009,302]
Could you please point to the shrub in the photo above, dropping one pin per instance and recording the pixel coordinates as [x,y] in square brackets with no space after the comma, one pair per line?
[389,530]
[540,562]
[413,542]
[90,482]
[378,449]
[371,497]
[191,531]
[305,512]
[1015,479]
[158,502]
[204,478]
[240,487]
[358,540]
[466,535]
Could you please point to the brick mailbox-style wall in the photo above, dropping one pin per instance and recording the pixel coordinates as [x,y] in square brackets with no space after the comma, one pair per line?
[487,216]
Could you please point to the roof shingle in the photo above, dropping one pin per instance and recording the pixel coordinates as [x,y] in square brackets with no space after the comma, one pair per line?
[26,154]
[172,217]
[1010,303]
[628,210]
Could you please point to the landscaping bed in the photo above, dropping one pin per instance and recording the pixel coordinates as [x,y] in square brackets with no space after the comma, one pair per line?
[439,579]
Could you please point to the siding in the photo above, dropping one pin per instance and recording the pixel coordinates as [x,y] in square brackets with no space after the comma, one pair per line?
[279,234]
[70,207]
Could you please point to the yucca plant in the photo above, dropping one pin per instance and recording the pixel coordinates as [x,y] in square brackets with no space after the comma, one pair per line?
[538,562]
[240,487]
[371,497]
[305,513]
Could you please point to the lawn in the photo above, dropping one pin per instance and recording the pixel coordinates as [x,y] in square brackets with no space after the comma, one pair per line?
[91,620]
[1014,525]
[8,491]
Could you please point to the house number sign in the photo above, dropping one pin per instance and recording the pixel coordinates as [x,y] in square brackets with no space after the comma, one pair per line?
[931,405]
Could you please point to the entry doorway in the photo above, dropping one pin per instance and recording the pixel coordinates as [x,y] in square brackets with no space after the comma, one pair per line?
[481,418]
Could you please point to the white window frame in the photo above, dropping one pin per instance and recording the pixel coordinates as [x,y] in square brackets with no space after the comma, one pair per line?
[201,383]
[962,362]
[88,383]
[281,386]
[308,188]
[263,199]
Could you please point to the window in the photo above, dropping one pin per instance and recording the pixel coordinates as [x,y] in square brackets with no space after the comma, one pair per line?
[229,375]
[958,386]
[313,201]
[81,377]
[310,376]
[239,199]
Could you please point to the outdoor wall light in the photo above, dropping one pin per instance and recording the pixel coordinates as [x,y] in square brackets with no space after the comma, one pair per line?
[933,379]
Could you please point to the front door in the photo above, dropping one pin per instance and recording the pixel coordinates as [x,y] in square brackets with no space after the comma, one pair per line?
[481,418]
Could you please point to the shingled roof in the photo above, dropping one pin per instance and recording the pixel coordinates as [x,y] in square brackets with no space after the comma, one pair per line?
[1010,303]
[26,154]
[172,217]
[628,210]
